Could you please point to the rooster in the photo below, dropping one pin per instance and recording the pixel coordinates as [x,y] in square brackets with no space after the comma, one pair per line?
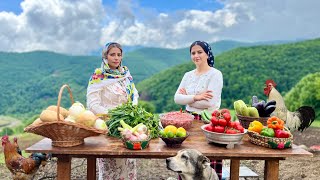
[300,119]
[20,167]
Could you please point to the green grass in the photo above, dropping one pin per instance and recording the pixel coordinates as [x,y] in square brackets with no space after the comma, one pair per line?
[316,123]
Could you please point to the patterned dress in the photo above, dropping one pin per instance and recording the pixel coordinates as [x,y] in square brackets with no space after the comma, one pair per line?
[99,102]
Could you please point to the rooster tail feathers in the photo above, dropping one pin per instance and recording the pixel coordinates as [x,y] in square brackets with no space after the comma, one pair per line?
[39,157]
[307,116]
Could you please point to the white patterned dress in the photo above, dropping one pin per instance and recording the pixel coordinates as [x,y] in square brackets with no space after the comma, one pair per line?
[99,102]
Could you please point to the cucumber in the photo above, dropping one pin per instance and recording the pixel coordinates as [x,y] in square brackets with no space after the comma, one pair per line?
[203,116]
[208,115]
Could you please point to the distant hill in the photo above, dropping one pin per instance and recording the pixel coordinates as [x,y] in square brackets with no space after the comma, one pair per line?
[244,69]
[31,81]
[145,62]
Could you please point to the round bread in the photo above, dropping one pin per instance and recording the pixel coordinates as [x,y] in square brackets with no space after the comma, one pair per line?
[63,111]
[49,116]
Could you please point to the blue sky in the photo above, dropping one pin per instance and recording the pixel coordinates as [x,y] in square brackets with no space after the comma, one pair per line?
[158,5]
[82,26]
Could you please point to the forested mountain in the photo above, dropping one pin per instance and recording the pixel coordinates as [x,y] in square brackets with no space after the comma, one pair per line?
[31,81]
[145,62]
[244,71]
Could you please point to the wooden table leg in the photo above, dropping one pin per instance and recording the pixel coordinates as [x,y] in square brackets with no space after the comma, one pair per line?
[271,170]
[91,168]
[64,167]
[234,169]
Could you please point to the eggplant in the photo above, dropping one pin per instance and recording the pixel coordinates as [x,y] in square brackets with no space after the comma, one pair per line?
[272,102]
[269,109]
[260,107]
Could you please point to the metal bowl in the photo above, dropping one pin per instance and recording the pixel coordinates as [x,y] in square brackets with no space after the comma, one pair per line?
[222,138]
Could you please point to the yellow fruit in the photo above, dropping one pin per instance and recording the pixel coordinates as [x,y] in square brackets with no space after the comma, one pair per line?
[181,129]
[170,128]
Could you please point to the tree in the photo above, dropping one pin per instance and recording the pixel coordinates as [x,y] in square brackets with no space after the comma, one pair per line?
[305,93]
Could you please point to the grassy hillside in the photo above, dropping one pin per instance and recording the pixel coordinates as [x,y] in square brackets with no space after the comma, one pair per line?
[244,71]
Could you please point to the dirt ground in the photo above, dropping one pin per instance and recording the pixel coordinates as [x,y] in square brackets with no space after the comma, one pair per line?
[155,169]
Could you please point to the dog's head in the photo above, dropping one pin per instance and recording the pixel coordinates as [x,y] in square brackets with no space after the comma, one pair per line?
[189,162]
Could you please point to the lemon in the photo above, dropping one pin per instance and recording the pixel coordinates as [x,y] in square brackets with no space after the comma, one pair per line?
[181,129]
[161,133]
[181,132]
[170,128]
[170,134]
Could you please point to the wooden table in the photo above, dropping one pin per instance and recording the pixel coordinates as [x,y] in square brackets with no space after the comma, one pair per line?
[108,147]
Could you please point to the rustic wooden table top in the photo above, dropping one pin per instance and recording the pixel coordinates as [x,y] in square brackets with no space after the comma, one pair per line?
[105,146]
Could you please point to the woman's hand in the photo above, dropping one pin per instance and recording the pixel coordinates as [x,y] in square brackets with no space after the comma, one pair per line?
[203,96]
[183,91]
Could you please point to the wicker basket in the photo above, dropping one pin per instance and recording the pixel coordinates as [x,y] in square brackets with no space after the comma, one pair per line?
[270,142]
[246,120]
[64,133]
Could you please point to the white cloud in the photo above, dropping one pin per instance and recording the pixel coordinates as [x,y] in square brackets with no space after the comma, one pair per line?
[66,26]
[80,27]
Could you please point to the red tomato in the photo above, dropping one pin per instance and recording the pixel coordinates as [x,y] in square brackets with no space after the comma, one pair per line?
[223,122]
[209,128]
[236,123]
[219,129]
[215,113]
[223,111]
[227,117]
[231,131]
[231,124]
[239,128]
[214,121]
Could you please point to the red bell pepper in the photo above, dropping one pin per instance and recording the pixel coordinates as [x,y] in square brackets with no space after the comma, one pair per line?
[281,133]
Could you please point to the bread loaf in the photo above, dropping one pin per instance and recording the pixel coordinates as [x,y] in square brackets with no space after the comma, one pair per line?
[49,116]
[63,111]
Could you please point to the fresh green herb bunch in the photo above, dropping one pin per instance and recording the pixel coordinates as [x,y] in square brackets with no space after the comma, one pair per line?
[132,115]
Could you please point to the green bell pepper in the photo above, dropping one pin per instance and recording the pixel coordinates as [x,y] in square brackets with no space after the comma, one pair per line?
[269,132]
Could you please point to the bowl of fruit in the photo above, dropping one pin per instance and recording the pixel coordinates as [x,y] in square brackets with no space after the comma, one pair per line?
[173,136]
[222,130]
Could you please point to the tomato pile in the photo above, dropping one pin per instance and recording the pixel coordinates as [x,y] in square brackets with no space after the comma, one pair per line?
[221,123]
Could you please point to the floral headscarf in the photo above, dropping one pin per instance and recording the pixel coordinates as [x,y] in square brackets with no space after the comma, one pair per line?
[207,49]
[104,75]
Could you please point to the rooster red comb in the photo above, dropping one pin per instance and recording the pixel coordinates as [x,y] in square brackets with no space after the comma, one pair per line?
[4,139]
[271,81]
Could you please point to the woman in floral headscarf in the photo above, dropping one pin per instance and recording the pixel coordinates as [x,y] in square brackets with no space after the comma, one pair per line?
[109,86]
[201,88]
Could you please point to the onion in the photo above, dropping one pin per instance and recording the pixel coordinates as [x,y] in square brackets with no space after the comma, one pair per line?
[143,137]
[86,118]
[76,109]
[100,124]
[142,129]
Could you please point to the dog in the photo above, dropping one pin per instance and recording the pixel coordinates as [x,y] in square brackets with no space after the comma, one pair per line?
[191,164]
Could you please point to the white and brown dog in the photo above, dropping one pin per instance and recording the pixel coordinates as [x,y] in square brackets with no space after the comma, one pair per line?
[190,164]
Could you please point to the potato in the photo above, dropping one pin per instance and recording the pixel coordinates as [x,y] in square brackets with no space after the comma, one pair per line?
[63,111]
[49,116]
